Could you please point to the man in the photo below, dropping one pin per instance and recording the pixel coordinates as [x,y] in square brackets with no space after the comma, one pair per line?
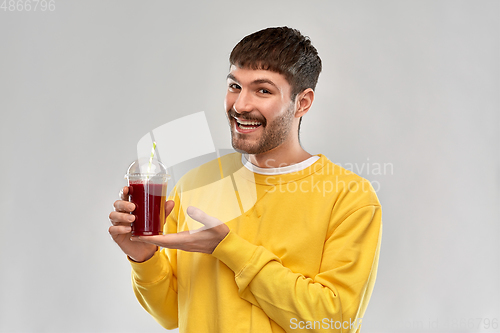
[298,249]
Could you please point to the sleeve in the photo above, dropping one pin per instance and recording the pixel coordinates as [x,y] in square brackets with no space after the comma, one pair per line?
[335,298]
[155,281]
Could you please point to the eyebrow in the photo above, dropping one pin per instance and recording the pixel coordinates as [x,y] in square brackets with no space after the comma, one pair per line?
[257,81]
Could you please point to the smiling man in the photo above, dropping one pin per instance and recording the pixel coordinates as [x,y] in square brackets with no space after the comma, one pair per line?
[290,241]
[264,116]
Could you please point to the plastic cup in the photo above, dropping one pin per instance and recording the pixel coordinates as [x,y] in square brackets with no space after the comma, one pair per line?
[147,190]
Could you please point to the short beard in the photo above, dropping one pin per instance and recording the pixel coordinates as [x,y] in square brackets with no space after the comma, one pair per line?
[275,133]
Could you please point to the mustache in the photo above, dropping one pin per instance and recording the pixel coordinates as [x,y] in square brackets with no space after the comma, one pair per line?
[245,116]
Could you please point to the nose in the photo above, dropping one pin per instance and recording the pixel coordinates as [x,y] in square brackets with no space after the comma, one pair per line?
[243,102]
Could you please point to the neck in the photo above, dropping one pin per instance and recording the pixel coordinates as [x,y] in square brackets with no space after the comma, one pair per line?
[280,156]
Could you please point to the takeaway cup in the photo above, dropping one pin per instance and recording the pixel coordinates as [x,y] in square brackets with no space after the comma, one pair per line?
[147,181]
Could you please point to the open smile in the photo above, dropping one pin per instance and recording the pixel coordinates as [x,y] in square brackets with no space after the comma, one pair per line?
[246,126]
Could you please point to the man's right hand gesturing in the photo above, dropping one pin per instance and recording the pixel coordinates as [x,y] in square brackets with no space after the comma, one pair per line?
[121,229]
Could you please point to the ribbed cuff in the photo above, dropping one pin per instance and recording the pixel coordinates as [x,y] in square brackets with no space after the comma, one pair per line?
[152,269]
[234,251]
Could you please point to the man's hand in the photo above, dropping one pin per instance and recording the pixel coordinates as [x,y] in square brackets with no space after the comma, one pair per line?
[203,240]
[121,229]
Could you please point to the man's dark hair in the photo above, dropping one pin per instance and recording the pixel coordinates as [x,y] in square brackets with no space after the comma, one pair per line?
[283,50]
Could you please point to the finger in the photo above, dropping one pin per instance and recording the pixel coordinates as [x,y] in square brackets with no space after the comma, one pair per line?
[124,193]
[119,230]
[169,205]
[202,217]
[123,206]
[117,218]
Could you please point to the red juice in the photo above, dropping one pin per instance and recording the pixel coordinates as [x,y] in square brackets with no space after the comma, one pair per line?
[149,200]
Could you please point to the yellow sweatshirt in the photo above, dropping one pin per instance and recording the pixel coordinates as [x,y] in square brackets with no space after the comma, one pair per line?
[301,256]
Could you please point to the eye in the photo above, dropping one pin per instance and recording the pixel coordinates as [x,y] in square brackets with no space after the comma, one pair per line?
[264,91]
[234,86]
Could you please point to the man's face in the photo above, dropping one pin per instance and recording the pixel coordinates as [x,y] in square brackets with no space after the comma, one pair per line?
[259,110]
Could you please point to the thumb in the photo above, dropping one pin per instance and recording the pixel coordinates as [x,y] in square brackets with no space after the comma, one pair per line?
[169,206]
[200,216]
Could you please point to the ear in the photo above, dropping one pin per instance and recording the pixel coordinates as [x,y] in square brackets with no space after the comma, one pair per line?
[303,102]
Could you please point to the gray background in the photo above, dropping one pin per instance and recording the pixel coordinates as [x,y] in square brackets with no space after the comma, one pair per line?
[410,84]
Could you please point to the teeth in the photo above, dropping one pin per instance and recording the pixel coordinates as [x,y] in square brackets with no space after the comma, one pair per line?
[246,127]
[247,123]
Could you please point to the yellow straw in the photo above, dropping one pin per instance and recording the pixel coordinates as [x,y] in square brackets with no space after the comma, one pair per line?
[151,157]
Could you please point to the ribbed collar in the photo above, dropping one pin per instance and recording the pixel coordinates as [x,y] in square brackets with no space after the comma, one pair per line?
[278,171]
[257,178]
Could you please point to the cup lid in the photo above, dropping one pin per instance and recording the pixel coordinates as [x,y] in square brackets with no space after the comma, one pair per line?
[141,167]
